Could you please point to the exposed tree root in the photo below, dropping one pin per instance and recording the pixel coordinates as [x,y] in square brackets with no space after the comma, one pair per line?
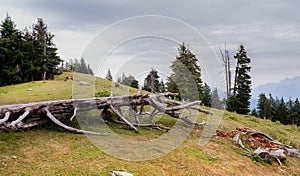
[266,147]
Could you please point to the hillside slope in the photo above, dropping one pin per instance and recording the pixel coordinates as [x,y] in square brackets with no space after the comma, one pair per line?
[44,151]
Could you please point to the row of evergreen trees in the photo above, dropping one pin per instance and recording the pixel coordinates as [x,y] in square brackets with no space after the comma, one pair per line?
[26,55]
[185,80]
[276,109]
[76,65]
[129,81]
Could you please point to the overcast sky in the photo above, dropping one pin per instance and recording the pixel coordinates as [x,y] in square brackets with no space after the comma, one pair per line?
[269,30]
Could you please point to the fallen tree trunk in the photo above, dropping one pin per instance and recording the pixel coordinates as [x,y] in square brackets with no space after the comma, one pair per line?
[17,116]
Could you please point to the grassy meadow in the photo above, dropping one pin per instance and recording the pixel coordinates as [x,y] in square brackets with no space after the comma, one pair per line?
[48,150]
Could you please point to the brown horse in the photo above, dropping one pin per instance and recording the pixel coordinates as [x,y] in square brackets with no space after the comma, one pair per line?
[68,78]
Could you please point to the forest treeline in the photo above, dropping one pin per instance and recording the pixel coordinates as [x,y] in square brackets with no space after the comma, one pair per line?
[277,109]
[30,54]
[26,55]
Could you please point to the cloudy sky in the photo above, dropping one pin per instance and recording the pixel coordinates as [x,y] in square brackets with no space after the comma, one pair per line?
[118,35]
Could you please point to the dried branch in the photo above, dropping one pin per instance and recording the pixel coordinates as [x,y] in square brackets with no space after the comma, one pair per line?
[6,117]
[57,122]
[123,118]
[22,117]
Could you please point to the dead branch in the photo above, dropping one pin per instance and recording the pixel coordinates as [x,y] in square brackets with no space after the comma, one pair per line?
[267,147]
[22,117]
[123,118]
[6,117]
[57,122]
[74,114]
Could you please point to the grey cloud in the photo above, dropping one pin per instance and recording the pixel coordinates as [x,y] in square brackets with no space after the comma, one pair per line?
[269,28]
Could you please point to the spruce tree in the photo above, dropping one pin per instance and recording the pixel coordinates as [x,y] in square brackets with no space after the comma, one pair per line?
[282,112]
[151,82]
[186,75]
[49,59]
[273,108]
[108,75]
[90,71]
[240,101]
[296,109]
[128,81]
[162,87]
[291,112]
[263,106]
[254,113]
[26,55]
[206,99]
[7,28]
[215,100]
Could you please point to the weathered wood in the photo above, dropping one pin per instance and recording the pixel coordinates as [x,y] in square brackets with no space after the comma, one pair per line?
[11,116]
[74,114]
[22,117]
[6,117]
[267,147]
[174,103]
[57,122]
[123,118]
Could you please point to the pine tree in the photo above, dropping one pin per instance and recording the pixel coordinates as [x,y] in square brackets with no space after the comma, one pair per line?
[8,28]
[128,81]
[206,99]
[254,113]
[26,55]
[186,77]
[151,82]
[282,112]
[240,101]
[49,59]
[273,107]
[90,71]
[291,112]
[162,87]
[215,100]
[296,117]
[81,67]
[108,75]
[263,106]
[8,50]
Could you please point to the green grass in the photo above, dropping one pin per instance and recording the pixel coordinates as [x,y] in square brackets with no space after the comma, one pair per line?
[49,150]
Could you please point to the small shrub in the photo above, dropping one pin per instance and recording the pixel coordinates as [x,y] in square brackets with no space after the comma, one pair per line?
[102,94]
[256,158]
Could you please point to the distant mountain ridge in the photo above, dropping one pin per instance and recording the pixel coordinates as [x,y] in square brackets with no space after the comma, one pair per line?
[287,88]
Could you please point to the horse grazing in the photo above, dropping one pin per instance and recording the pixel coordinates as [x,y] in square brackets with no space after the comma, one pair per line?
[68,78]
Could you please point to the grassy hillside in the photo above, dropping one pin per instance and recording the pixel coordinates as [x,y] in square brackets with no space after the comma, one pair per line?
[43,151]
[58,89]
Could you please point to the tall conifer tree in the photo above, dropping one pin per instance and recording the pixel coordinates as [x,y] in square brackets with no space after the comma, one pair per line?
[186,77]
[240,101]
